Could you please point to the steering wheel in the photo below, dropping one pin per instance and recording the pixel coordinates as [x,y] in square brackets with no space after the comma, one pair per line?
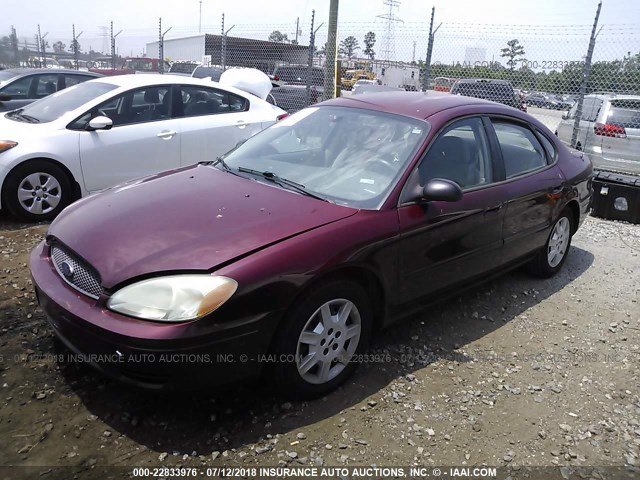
[101,113]
[380,161]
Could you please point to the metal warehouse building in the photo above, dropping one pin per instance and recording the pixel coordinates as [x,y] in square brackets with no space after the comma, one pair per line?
[239,52]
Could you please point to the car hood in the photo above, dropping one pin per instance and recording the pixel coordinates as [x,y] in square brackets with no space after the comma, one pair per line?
[21,131]
[196,218]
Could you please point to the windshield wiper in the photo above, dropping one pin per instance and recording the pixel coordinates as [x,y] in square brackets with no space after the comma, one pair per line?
[272,177]
[18,114]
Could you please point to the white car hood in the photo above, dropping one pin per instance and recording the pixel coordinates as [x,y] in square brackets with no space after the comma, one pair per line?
[250,80]
[17,131]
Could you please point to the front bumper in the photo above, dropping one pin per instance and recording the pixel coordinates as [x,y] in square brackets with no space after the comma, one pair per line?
[150,355]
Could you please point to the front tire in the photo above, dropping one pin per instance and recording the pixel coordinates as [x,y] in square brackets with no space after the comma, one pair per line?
[550,259]
[37,190]
[319,338]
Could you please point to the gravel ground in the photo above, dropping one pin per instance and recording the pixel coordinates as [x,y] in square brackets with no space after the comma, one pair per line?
[518,372]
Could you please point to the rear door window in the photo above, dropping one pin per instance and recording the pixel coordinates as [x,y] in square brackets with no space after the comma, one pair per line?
[521,151]
[47,84]
[198,101]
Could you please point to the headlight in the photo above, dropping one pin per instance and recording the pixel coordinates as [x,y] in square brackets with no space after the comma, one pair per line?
[6,145]
[173,299]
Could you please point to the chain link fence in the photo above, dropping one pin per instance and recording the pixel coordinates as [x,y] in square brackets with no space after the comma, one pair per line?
[582,82]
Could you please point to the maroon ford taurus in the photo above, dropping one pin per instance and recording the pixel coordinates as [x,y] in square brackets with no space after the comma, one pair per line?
[288,253]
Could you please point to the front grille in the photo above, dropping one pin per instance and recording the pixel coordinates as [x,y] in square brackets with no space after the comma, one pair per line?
[79,275]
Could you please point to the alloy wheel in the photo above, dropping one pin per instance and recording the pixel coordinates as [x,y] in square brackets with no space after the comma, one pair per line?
[328,341]
[39,193]
[558,242]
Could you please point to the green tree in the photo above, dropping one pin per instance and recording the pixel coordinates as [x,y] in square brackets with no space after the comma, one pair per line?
[348,47]
[514,52]
[369,42]
[59,47]
[278,36]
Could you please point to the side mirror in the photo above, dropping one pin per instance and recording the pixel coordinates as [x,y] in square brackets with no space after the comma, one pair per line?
[565,116]
[100,123]
[4,97]
[443,190]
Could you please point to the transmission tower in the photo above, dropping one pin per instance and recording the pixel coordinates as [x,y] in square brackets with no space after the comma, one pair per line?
[388,52]
[104,33]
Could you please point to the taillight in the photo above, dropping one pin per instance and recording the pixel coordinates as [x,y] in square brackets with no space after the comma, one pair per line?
[282,116]
[276,78]
[608,130]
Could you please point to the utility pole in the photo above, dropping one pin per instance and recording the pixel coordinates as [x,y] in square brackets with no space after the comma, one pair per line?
[113,47]
[586,70]
[161,35]
[14,46]
[427,66]
[200,19]
[298,28]
[307,95]
[331,72]
[224,44]
[76,50]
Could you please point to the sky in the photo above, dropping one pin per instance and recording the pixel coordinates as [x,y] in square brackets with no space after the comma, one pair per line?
[466,24]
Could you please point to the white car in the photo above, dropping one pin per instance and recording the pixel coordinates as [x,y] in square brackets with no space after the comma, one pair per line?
[105,132]
[609,131]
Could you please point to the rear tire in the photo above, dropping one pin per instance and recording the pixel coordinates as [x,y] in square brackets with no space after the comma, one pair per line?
[37,190]
[552,256]
[320,335]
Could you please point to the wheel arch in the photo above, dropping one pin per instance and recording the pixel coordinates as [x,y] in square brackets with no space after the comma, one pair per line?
[574,208]
[76,189]
[358,274]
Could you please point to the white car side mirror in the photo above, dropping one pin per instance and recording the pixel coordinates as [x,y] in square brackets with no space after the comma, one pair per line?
[100,123]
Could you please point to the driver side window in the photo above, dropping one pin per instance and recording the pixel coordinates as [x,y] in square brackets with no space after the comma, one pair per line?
[460,153]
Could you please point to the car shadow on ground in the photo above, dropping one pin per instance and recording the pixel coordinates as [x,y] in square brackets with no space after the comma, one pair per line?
[236,416]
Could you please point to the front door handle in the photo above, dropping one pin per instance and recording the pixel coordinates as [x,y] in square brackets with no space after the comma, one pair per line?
[241,124]
[166,135]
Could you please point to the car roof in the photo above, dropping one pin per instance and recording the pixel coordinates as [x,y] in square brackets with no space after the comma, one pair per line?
[482,80]
[140,80]
[30,71]
[413,104]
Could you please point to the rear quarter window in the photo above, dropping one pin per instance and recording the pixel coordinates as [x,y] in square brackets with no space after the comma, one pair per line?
[624,113]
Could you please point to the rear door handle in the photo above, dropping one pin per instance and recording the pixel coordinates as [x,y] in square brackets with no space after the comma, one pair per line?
[166,135]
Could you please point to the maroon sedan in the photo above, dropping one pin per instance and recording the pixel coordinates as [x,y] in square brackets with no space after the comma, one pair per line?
[287,254]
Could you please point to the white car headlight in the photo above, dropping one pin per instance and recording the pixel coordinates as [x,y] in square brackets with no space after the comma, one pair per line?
[6,145]
[174,298]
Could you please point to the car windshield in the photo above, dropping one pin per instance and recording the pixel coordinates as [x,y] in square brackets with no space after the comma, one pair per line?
[349,156]
[54,106]
[6,75]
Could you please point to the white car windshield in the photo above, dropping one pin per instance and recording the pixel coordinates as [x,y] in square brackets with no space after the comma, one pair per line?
[349,156]
[54,106]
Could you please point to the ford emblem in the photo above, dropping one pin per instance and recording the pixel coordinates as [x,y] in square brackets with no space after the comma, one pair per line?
[67,270]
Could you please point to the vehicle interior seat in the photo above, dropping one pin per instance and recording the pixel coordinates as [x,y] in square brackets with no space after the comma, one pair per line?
[50,87]
[153,108]
[214,106]
[518,160]
[198,106]
[450,158]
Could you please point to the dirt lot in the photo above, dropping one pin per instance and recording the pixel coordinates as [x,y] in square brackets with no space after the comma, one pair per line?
[519,372]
